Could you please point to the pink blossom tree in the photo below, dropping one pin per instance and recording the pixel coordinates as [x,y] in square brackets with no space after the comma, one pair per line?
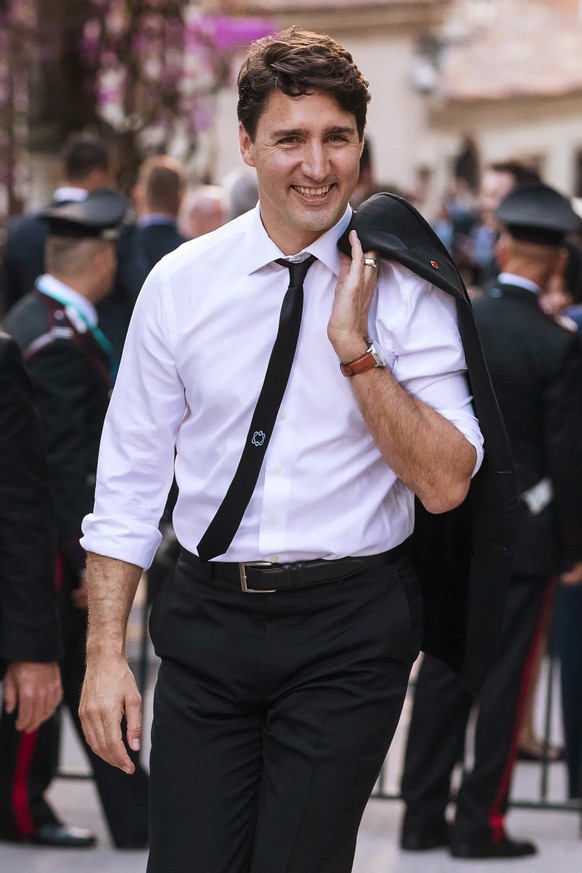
[148,71]
[158,65]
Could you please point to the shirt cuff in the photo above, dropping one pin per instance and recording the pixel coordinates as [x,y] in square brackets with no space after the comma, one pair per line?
[114,538]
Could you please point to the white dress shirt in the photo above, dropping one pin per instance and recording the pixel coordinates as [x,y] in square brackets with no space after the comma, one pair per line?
[192,369]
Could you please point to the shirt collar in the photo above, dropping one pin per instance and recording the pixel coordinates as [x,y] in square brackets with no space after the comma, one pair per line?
[56,289]
[519,282]
[156,218]
[260,249]
[70,193]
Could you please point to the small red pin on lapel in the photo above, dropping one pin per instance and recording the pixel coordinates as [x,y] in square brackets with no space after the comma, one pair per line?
[434,264]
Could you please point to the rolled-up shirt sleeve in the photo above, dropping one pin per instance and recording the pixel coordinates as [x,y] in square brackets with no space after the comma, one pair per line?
[136,457]
[419,336]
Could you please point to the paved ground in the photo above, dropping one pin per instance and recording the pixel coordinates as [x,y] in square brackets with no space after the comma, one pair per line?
[557,833]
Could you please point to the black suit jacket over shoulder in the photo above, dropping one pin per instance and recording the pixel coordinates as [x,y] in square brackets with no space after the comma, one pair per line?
[463,557]
[28,607]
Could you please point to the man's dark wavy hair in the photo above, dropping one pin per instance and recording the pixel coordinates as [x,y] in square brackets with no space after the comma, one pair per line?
[298,62]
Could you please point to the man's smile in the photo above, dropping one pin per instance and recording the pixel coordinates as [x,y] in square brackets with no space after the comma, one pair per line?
[312,192]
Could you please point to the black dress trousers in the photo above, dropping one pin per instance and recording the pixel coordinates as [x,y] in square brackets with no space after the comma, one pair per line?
[273,714]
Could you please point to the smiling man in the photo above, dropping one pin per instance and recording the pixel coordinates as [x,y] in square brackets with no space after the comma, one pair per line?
[302,400]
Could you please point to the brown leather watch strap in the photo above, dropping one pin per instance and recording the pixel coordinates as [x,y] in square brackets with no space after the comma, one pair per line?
[360,365]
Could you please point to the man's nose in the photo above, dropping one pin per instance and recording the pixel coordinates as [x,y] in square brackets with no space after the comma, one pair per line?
[315,162]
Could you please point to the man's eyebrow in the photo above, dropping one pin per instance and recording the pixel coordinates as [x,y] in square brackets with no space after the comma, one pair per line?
[347,129]
[303,131]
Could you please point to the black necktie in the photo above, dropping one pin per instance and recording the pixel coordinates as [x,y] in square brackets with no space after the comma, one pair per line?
[225,523]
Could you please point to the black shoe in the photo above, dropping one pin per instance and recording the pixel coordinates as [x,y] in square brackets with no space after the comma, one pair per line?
[425,839]
[504,848]
[63,836]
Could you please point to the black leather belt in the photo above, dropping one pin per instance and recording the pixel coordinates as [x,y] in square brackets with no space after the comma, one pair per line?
[264,577]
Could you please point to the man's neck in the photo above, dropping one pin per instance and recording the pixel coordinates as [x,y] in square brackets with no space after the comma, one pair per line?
[531,273]
[81,286]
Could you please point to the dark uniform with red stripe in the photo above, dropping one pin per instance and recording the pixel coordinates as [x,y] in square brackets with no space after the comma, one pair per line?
[536,370]
[71,374]
[28,609]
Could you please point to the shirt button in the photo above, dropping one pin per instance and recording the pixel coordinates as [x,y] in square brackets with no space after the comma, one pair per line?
[277,471]
[274,559]
[282,416]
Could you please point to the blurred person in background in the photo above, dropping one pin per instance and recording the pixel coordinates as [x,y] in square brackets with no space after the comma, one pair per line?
[87,164]
[536,370]
[455,219]
[241,191]
[70,363]
[497,182]
[157,196]
[563,300]
[29,629]
[205,208]
[563,295]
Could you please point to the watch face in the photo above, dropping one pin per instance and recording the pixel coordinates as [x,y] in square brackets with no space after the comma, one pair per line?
[375,354]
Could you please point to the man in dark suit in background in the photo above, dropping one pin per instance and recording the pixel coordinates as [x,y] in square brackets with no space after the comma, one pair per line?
[536,370]
[29,631]
[157,196]
[69,360]
[87,165]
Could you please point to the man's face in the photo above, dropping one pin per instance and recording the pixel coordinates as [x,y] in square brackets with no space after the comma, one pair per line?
[306,153]
[494,187]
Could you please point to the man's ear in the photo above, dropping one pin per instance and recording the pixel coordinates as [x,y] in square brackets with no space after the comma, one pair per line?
[246,145]
[562,261]
[137,196]
[501,251]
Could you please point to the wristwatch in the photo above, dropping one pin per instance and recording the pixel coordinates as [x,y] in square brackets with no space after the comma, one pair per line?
[370,358]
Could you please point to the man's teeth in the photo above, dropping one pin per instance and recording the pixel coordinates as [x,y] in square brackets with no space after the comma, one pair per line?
[313,192]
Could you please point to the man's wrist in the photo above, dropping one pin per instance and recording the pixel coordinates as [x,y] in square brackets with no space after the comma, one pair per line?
[106,650]
[368,360]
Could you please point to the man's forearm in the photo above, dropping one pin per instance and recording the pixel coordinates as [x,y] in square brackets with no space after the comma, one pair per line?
[111,590]
[425,450]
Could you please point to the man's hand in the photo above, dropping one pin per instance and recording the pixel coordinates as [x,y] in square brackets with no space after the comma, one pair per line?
[34,690]
[109,693]
[573,576]
[427,452]
[348,325]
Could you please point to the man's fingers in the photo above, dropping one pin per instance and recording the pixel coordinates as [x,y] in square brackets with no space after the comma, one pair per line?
[133,716]
[34,689]
[10,696]
[102,729]
[29,710]
[109,694]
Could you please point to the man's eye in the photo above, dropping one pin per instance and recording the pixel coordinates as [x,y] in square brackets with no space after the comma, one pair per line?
[288,140]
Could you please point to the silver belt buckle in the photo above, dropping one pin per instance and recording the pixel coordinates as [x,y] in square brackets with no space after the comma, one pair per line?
[243,577]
